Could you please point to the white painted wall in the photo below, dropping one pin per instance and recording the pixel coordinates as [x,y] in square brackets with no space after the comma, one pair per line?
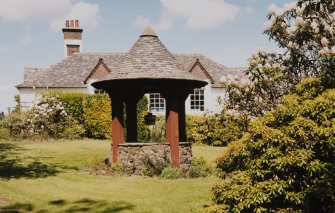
[29,96]
[211,96]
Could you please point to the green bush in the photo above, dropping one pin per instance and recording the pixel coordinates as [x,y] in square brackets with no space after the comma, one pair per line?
[16,125]
[171,173]
[142,129]
[94,112]
[4,133]
[74,131]
[216,130]
[74,104]
[97,116]
[286,162]
[199,168]
[155,133]
[153,167]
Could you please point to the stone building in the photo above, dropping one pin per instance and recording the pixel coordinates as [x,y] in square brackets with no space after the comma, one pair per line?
[78,70]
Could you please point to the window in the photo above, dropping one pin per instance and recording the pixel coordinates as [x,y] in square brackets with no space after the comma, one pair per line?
[156,103]
[99,91]
[197,100]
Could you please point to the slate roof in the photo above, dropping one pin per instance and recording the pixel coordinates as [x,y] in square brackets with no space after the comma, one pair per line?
[72,71]
[148,58]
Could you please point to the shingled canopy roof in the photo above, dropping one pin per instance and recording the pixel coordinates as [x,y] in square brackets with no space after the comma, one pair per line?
[148,60]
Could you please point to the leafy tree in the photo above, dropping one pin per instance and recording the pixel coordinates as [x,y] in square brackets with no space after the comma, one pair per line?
[286,163]
[305,33]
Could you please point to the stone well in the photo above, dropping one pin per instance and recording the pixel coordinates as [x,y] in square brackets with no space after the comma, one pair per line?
[133,156]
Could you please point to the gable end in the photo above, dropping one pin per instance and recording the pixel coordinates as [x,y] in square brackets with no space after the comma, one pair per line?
[199,71]
[99,71]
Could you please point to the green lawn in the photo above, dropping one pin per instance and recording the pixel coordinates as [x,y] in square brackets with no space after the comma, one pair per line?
[45,177]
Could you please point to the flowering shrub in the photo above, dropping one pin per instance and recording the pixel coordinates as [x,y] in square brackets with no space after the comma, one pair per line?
[50,119]
[304,30]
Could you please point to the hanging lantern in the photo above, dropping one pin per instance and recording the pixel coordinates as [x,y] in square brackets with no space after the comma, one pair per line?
[149,119]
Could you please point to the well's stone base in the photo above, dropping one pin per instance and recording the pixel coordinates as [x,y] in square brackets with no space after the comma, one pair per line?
[134,156]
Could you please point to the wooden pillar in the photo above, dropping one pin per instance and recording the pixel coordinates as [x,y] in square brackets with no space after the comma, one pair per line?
[172,130]
[117,123]
[131,116]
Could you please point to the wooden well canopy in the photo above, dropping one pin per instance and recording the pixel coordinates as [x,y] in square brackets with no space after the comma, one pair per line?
[149,68]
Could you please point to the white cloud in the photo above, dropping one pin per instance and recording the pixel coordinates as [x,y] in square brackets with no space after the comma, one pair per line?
[85,12]
[164,24]
[247,10]
[142,21]
[3,50]
[50,11]
[197,14]
[26,39]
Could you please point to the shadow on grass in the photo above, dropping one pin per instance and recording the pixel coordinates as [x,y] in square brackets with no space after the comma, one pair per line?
[12,165]
[83,205]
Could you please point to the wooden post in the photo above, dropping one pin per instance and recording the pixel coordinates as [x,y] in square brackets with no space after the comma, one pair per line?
[117,123]
[172,130]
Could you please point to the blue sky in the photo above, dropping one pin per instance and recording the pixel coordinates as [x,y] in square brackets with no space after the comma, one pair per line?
[226,31]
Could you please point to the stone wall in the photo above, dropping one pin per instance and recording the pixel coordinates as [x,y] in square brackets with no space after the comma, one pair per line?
[134,156]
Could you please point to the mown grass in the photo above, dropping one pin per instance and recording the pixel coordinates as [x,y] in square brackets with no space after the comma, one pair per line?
[46,177]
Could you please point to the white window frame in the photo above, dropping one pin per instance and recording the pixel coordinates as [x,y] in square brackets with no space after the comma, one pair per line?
[197,100]
[156,103]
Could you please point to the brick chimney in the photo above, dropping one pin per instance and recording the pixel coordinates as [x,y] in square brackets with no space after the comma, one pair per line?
[72,37]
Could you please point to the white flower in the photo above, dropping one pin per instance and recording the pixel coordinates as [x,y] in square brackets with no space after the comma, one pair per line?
[286,57]
[223,79]
[289,6]
[291,30]
[315,26]
[276,65]
[279,12]
[244,81]
[283,24]
[293,45]
[253,61]
[267,65]
[300,21]
[268,24]
[259,66]
[299,10]
[324,41]
[272,8]
[324,51]
[329,28]
[333,49]
[42,127]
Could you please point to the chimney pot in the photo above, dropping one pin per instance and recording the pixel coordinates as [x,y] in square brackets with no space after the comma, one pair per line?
[77,23]
[67,23]
[71,23]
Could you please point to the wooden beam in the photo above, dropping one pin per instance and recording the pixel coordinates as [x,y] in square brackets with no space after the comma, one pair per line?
[117,123]
[172,129]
